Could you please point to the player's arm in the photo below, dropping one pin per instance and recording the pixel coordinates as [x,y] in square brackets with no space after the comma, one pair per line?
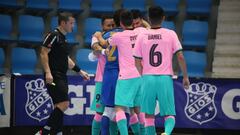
[76,68]
[44,60]
[96,47]
[146,24]
[183,67]
[102,41]
[137,54]
[138,65]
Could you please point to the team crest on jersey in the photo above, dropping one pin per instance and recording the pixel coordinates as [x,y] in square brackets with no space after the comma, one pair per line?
[200,107]
[39,104]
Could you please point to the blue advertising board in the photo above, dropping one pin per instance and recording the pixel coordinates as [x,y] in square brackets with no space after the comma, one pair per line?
[33,104]
[208,103]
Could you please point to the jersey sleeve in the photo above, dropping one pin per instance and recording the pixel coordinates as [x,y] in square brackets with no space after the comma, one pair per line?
[50,40]
[112,40]
[94,40]
[137,50]
[176,43]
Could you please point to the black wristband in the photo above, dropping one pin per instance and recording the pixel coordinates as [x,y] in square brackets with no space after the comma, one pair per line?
[76,68]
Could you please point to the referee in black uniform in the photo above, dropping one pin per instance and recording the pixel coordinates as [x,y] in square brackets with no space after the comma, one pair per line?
[55,61]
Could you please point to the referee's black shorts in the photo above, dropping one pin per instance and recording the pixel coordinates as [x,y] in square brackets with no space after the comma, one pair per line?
[59,91]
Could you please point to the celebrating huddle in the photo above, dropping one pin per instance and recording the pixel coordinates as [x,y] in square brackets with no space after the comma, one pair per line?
[134,72]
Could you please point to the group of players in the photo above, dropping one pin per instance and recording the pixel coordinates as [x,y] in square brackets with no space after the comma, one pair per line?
[134,71]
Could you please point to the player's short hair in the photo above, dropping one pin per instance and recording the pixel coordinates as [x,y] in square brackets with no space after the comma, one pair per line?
[104,17]
[126,18]
[155,14]
[116,17]
[136,13]
[64,16]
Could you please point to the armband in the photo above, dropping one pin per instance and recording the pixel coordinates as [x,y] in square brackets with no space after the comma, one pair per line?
[76,68]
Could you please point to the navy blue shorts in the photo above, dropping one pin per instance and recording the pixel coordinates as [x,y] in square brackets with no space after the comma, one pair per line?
[109,86]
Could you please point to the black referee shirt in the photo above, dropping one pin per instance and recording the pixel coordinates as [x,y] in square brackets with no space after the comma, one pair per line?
[58,56]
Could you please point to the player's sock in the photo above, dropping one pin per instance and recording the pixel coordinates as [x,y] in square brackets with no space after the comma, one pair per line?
[113,127]
[59,128]
[122,122]
[96,124]
[141,118]
[105,125]
[169,124]
[134,124]
[54,122]
[150,126]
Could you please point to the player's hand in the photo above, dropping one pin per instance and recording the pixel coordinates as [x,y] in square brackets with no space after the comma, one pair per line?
[49,78]
[186,83]
[97,34]
[107,51]
[84,75]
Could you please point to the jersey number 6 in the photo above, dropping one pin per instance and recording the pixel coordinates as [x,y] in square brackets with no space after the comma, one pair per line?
[154,54]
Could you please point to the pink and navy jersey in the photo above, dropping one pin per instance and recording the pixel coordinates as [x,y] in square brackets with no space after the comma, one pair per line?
[100,65]
[125,43]
[156,48]
[100,68]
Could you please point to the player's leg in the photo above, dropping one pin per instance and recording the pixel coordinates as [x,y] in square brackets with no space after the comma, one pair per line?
[109,116]
[134,122]
[98,107]
[105,121]
[113,126]
[148,104]
[96,123]
[141,117]
[150,124]
[125,95]
[169,123]
[137,103]
[166,103]
[108,96]
[121,97]
[121,120]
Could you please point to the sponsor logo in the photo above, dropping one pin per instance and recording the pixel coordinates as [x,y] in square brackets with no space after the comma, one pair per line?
[231,104]
[200,107]
[39,104]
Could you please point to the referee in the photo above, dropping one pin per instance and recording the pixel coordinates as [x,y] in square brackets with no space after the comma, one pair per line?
[55,61]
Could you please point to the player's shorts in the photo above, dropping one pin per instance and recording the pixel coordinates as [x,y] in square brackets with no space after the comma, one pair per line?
[158,87]
[59,91]
[128,92]
[96,103]
[108,87]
